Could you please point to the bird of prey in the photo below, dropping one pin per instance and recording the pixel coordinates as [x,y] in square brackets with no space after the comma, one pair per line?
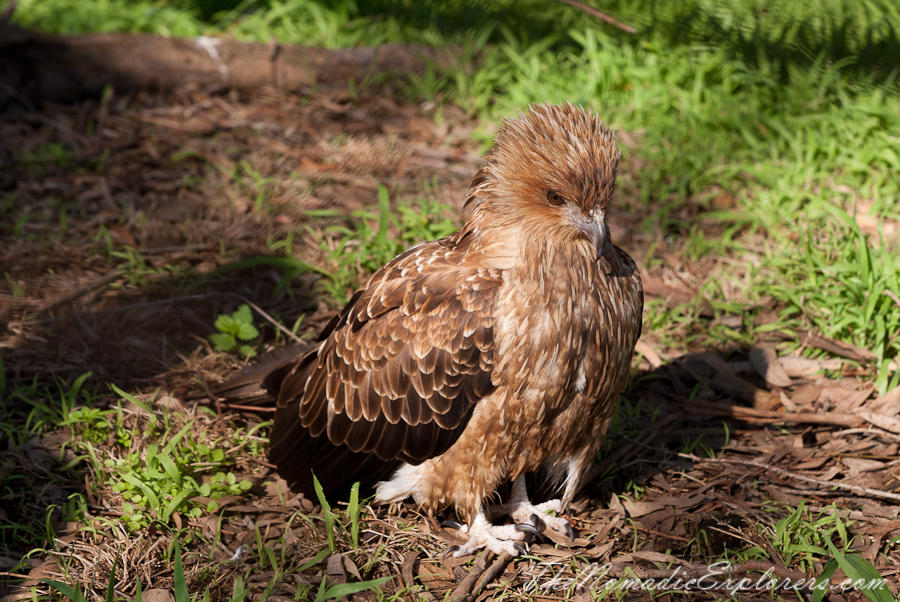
[469,361]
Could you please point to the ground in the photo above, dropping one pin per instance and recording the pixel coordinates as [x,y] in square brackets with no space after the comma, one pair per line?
[133,223]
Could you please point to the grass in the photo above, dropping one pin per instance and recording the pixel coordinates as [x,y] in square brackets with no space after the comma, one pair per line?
[371,238]
[790,109]
[760,131]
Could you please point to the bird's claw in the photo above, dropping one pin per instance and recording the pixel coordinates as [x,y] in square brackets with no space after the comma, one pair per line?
[451,524]
[499,539]
[449,552]
[540,518]
[528,528]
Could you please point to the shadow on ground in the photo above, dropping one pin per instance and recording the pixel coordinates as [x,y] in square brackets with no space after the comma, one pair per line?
[709,451]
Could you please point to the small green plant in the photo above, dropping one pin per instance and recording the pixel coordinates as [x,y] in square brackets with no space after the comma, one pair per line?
[167,477]
[261,184]
[233,329]
[14,286]
[49,153]
[843,286]
[134,266]
[799,536]
[861,573]
[332,518]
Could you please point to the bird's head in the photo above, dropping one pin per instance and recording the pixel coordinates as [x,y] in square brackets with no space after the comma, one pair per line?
[552,172]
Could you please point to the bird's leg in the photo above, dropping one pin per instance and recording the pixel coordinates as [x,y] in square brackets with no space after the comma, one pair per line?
[523,511]
[482,534]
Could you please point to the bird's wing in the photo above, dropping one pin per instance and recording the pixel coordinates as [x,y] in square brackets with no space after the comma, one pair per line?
[401,367]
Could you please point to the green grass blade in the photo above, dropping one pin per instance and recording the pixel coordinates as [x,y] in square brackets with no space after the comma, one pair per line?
[858,568]
[170,467]
[345,589]
[384,214]
[111,585]
[326,512]
[131,398]
[353,510]
[322,555]
[176,501]
[821,585]
[178,436]
[73,593]
[152,500]
[238,592]
[178,581]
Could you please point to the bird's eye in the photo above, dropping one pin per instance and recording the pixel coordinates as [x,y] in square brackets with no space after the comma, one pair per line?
[555,198]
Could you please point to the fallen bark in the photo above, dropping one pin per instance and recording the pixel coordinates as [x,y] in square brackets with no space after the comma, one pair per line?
[37,67]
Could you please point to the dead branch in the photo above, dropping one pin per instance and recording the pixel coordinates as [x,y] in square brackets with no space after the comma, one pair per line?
[793,475]
[894,297]
[42,67]
[81,291]
[495,570]
[465,587]
[602,16]
[408,570]
[839,348]
[269,318]
[709,408]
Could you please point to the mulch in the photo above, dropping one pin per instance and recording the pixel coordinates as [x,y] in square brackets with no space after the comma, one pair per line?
[714,446]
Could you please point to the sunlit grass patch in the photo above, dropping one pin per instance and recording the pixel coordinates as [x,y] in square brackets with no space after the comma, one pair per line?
[372,237]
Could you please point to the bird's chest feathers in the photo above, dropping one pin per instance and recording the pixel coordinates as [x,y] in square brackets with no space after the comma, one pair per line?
[547,327]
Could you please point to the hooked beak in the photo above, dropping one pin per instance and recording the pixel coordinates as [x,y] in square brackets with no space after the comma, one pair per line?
[595,229]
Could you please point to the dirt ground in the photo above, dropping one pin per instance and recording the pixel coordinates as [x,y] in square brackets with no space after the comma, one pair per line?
[716,444]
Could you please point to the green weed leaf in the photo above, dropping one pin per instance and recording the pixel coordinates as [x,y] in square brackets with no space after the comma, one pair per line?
[246,332]
[327,514]
[346,589]
[111,582]
[178,581]
[73,593]
[858,569]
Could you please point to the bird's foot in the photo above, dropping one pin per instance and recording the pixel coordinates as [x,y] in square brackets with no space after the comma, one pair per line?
[483,535]
[523,511]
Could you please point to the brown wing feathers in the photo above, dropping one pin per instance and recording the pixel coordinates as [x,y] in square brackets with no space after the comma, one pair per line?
[396,377]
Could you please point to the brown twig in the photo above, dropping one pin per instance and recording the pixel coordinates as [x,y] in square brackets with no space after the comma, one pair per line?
[710,408]
[232,406]
[465,587]
[17,575]
[7,13]
[840,348]
[495,570]
[890,294]
[81,291]
[793,475]
[640,527]
[131,307]
[408,570]
[602,16]
[269,318]
[262,462]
